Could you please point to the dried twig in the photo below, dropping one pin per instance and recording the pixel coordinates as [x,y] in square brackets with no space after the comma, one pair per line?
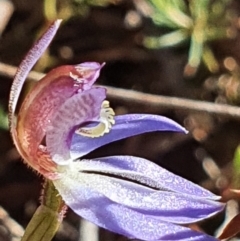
[9,228]
[150,100]
[10,71]
[6,11]
[159,101]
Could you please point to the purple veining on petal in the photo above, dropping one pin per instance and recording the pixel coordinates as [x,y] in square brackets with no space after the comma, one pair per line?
[80,108]
[26,65]
[125,126]
[41,104]
[163,205]
[98,209]
[145,172]
[44,100]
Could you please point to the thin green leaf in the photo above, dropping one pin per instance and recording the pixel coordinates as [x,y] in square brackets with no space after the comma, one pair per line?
[209,59]
[167,12]
[167,40]
[181,5]
[195,52]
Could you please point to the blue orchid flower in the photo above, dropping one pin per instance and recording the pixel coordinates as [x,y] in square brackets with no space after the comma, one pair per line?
[64,117]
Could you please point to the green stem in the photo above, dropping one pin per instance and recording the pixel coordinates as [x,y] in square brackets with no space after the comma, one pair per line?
[48,216]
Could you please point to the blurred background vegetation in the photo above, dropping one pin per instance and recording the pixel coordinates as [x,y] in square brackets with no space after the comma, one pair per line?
[178,48]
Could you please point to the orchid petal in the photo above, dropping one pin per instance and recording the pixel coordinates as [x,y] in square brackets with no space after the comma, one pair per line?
[78,109]
[145,172]
[125,126]
[90,71]
[41,105]
[95,207]
[164,205]
[26,65]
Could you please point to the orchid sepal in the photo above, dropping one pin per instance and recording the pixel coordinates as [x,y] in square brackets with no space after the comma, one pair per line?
[94,204]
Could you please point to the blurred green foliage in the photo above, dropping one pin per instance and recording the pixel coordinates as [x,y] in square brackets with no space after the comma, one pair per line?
[3,119]
[236,169]
[197,22]
[65,9]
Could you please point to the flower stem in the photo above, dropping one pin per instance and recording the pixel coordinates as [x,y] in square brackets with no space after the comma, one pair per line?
[48,216]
